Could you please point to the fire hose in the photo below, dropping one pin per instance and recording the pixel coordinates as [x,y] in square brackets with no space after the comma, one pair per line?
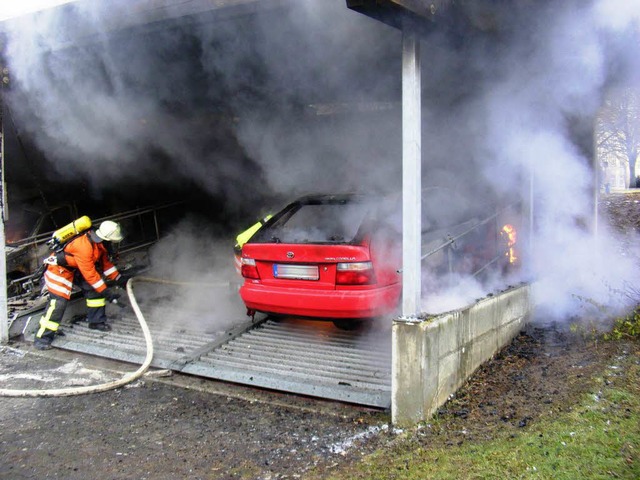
[128,378]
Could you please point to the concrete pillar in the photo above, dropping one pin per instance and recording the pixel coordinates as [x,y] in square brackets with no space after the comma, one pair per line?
[4,319]
[411,174]
[596,184]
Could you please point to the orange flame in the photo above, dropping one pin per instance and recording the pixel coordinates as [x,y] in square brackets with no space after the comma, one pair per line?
[509,233]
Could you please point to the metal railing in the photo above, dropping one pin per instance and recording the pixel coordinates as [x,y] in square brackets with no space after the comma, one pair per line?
[36,242]
[450,242]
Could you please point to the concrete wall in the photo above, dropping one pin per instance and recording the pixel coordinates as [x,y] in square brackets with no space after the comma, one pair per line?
[433,358]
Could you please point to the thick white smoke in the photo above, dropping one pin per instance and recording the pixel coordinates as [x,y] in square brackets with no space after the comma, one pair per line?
[193,99]
[194,281]
[307,98]
[552,72]
[617,14]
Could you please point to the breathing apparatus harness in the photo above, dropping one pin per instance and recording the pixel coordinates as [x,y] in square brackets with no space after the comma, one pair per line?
[63,236]
[58,242]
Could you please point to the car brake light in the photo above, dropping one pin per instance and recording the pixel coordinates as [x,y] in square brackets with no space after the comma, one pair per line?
[249,269]
[356,273]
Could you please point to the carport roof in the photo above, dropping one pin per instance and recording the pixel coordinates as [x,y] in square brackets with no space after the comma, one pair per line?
[126,14]
[395,12]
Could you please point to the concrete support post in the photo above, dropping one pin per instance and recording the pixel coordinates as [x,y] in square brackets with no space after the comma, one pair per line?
[528,212]
[411,174]
[4,318]
[597,179]
[409,372]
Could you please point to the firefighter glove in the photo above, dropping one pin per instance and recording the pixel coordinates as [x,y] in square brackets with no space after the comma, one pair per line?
[122,280]
[110,295]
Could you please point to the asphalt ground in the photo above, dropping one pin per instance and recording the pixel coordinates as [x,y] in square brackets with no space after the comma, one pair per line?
[164,427]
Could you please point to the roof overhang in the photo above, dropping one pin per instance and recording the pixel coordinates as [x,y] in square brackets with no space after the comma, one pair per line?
[128,13]
[397,13]
[121,15]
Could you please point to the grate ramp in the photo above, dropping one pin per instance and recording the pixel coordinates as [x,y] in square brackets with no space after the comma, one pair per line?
[310,358]
[291,355]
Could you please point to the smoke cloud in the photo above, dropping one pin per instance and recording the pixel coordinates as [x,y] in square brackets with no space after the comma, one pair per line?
[307,99]
[195,100]
[194,284]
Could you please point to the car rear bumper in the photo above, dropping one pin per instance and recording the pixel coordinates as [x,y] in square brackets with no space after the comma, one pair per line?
[321,303]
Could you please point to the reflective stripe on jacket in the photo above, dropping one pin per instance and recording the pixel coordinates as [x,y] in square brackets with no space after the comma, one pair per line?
[57,281]
[84,255]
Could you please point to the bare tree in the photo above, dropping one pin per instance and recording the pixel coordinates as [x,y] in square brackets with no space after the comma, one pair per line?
[618,127]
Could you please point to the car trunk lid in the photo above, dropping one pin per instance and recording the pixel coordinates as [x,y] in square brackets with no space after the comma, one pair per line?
[302,265]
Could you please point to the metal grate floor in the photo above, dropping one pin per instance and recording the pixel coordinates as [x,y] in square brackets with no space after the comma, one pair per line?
[291,355]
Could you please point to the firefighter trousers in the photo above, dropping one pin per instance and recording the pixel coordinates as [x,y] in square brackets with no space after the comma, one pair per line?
[50,321]
[96,302]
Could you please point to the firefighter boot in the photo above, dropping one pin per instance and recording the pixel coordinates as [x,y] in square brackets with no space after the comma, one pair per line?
[44,342]
[102,326]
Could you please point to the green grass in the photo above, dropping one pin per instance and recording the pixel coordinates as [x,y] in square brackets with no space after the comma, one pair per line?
[597,438]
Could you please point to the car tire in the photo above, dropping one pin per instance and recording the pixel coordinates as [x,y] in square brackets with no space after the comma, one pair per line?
[348,324]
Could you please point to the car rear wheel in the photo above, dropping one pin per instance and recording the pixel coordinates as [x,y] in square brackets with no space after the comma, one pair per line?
[348,324]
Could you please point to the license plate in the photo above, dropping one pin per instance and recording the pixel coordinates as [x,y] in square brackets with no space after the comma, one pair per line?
[296,272]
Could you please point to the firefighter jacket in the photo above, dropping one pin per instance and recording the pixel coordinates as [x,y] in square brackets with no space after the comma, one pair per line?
[85,256]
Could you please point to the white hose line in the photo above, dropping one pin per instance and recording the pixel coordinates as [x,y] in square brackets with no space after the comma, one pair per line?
[183,283]
[130,377]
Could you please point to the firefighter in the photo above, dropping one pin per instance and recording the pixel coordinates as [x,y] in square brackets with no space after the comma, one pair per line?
[83,261]
[244,237]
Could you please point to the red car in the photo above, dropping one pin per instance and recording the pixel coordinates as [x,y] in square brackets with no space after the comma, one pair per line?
[338,257]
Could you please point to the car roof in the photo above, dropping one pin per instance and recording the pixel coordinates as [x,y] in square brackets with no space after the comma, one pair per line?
[331,197]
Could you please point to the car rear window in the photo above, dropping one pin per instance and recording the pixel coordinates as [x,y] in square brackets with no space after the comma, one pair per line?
[315,222]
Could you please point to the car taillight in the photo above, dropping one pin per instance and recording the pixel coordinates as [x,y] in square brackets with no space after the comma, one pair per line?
[356,273]
[249,269]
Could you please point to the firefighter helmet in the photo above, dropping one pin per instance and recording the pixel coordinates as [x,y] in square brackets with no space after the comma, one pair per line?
[109,231]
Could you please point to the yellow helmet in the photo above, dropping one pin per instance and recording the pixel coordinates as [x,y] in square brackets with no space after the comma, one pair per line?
[109,231]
